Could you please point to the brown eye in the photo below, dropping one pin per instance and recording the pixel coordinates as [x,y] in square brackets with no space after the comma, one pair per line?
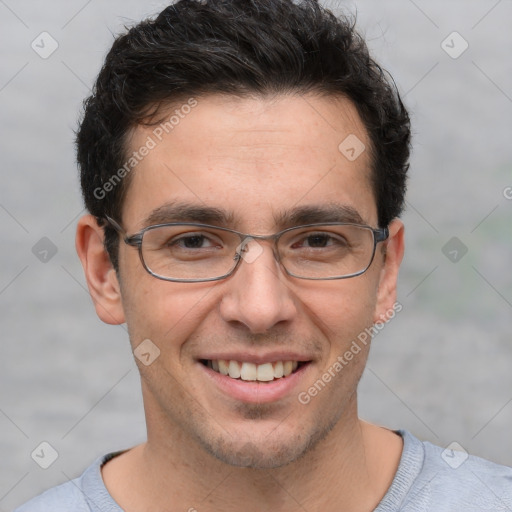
[189,242]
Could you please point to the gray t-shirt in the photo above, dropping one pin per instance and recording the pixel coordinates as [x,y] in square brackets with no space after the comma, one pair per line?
[429,479]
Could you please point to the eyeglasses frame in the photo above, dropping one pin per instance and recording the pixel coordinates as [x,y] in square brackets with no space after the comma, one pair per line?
[135,240]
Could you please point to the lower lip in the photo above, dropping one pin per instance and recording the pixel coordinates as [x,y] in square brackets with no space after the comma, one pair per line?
[256,392]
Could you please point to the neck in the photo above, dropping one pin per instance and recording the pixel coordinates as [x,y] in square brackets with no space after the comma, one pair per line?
[350,469]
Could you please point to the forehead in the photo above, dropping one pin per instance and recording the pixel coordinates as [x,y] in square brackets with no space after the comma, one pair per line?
[258,161]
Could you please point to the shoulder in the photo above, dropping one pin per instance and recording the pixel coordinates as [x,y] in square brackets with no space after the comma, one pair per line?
[452,467]
[62,498]
[451,479]
[86,493]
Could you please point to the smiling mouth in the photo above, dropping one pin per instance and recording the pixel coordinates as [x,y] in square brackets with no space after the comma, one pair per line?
[266,372]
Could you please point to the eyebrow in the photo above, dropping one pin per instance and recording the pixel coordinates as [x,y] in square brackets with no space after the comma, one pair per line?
[178,211]
[312,214]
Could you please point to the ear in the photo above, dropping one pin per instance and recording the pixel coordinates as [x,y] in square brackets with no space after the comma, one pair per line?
[100,274]
[394,252]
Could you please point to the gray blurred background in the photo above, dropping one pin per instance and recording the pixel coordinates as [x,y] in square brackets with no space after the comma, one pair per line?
[441,368]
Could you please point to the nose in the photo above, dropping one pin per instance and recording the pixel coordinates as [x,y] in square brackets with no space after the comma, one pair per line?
[257,294]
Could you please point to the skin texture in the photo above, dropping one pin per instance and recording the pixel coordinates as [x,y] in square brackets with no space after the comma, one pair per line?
[254,157]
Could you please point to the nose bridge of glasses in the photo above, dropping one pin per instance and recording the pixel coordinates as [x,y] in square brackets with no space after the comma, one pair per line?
[251,246]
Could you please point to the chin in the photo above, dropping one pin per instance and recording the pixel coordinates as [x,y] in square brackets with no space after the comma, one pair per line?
[273,450]
[257,455]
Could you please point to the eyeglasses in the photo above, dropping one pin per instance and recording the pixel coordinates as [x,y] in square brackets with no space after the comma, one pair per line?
[190,252]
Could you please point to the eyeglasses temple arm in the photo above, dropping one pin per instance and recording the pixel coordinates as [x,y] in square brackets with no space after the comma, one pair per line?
[381,234]
[115,225]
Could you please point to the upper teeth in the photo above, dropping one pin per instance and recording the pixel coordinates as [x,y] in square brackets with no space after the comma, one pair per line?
[249,371]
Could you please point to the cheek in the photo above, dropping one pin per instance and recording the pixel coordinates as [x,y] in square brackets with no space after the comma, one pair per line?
[165,312]
[342,308]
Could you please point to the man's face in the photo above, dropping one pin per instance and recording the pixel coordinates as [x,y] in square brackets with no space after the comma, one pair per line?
[255,159]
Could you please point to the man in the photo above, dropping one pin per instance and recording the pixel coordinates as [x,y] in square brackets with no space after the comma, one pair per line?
[244,166]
